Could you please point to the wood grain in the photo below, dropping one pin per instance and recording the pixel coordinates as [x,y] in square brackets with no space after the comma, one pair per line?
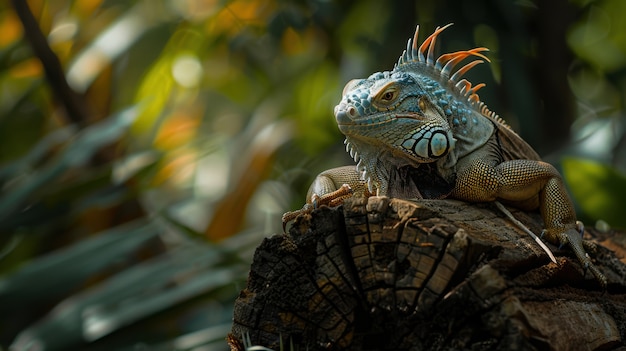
[388,274]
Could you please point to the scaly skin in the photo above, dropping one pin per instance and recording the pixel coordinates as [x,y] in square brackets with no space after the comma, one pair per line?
[419,131]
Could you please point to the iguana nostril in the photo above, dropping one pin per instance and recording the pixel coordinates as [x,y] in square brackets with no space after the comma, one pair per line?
[352,112]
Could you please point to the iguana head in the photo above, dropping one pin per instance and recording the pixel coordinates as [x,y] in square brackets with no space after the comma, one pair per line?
[392,108]
[413,114]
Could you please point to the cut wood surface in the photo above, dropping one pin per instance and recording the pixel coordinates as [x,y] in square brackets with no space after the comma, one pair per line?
[389,274]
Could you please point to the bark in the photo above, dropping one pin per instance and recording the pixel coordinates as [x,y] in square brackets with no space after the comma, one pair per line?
[388,274]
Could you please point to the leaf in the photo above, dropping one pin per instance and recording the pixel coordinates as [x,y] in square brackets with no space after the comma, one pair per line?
[99,135]
[134,294]
[36,153]
[62,270]
[77,153]
[211,338]
[109,45]
[599,190]
[22,119]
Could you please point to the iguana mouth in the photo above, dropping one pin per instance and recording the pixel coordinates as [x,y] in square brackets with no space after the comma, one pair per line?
[415,116]
[385,117]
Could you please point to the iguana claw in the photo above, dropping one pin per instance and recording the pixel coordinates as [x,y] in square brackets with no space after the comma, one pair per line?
[334,198]
[574,238]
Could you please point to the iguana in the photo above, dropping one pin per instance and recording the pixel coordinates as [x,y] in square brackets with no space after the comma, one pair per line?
[420,131]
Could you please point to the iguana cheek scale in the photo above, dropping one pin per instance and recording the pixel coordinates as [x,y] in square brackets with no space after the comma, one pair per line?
[421,131]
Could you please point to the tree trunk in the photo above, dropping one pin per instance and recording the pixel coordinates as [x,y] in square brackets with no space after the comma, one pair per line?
[389,274]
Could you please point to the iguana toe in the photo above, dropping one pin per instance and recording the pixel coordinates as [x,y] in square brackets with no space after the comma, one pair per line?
[334,198]
[573,236]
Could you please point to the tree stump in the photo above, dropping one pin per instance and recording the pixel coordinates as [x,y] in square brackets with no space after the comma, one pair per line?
[389,274]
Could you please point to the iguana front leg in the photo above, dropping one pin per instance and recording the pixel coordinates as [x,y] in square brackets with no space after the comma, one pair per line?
[330,188]
[332,179]
[527,182]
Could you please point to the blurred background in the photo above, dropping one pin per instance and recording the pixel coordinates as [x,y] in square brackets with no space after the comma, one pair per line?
[148,146]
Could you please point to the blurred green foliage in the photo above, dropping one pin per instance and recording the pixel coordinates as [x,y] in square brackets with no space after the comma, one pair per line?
[602,188]
[205,120]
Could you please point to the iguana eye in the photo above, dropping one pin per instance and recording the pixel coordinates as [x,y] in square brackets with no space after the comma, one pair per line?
[388,96]
[422,103]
